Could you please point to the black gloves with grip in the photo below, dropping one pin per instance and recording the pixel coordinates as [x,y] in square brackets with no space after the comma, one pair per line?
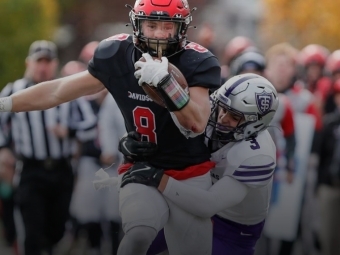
[143,173]
[135,150]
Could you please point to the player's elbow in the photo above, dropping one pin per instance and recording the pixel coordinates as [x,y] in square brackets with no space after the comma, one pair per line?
[195,127]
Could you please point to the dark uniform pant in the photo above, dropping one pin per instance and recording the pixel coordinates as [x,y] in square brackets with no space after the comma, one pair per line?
[42,201]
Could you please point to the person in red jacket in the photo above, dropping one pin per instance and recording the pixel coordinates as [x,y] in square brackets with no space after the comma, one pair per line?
[313,59]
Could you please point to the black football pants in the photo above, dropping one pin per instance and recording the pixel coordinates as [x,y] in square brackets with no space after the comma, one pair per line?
[42,199]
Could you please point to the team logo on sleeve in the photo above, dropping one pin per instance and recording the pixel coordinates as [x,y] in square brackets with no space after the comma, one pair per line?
[196,47]
[264,101]
[119,37]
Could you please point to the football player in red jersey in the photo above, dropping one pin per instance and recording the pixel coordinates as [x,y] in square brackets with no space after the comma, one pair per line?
[159,29]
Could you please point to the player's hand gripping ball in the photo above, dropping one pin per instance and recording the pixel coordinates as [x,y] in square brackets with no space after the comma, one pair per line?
[154,72]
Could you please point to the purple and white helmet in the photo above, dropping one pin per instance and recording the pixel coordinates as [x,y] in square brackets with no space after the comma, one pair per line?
[248,95]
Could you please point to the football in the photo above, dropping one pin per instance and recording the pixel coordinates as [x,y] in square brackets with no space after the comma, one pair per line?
[152,92]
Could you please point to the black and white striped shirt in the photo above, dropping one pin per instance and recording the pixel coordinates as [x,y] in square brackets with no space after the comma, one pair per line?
[30,132]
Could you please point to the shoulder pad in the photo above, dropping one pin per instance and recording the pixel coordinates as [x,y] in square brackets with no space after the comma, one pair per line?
[193,51]
[111,54]
[110,46]
[199,66]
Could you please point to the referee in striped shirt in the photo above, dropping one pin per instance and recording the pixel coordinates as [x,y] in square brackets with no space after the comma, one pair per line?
[41,142]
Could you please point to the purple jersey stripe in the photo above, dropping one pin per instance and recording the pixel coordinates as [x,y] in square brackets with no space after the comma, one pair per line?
[256,180]
[255,167]
[253,173]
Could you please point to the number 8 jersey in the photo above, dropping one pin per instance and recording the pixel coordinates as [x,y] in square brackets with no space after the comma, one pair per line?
[251,162]
[113,65]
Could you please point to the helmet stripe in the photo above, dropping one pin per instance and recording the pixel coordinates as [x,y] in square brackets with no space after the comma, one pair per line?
[238,82]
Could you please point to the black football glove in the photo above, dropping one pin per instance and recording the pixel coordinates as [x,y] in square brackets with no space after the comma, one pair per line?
[135,150]
[143,173]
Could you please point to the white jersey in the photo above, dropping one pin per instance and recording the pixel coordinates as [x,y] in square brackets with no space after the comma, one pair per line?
[242,180]
[251,162]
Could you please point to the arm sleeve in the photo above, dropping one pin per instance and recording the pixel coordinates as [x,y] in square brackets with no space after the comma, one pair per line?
[207,74]
[225,193]
[256,171]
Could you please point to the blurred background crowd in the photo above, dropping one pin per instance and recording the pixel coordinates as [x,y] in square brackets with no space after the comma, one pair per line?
[295,44]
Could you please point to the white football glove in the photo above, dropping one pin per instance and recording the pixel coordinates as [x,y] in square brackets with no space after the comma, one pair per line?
[151,71]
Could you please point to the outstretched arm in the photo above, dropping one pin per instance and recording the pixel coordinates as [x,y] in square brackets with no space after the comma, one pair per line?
[49,94]
[225,193]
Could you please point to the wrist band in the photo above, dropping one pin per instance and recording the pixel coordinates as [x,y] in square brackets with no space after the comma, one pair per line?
[174,96]
[5,104]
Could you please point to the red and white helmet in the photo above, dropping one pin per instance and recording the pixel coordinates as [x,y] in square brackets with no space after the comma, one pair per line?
[333,62]
[314,54]
[161,10]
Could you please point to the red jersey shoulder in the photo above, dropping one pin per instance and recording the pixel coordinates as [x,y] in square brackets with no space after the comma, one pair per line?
[196,47]
[118,37]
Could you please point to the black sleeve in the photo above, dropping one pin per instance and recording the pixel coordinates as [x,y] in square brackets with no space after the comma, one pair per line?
[100,63]
[108,57]
[207,74]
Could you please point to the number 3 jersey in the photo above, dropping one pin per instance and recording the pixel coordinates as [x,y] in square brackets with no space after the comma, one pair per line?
[113,64]
[251,162]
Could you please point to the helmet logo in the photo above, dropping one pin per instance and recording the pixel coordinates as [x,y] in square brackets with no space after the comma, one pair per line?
[264,101]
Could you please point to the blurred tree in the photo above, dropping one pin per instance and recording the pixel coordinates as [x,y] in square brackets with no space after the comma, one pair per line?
[301,22]
[21,23]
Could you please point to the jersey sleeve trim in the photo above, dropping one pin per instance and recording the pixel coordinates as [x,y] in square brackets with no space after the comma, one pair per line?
[256,167]
[255,175]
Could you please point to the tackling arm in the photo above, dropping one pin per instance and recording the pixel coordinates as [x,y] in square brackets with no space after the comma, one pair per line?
[225,193]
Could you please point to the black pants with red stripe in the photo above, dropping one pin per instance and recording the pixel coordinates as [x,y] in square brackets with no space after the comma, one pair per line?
[42,199]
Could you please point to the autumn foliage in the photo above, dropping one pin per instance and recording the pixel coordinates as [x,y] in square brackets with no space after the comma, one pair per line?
[22,22]
[301,22]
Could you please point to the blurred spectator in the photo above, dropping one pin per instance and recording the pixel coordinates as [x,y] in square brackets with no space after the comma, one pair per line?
[329,179]
[313,59]
[233,48]
[7,171]
[41,141]
[252,61]
[236,46]
[95,213]
[72,67]
[282,72]
[87,52]
[111,129]
[206,37]
[333,67]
